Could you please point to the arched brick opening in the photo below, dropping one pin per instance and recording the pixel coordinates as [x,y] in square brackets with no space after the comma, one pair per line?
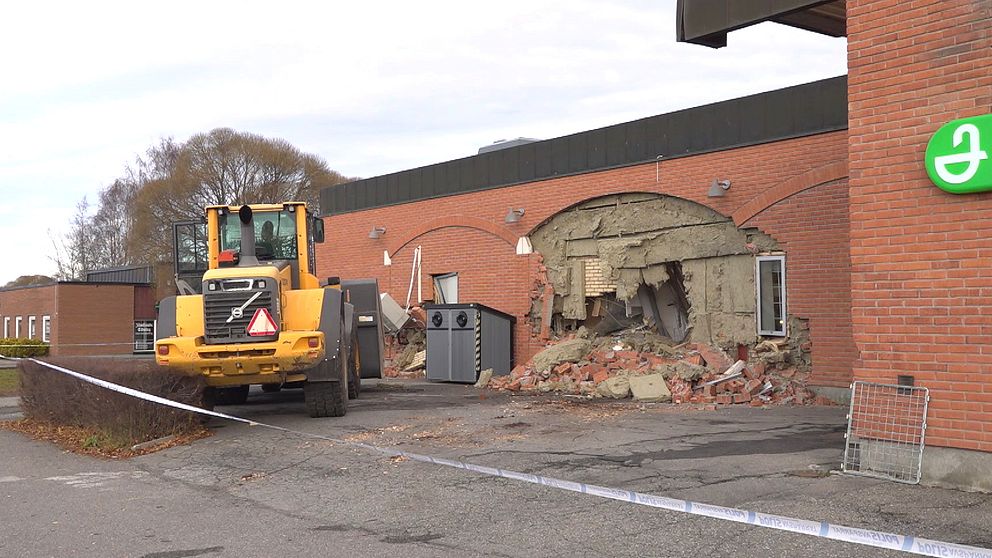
[788,188]
[413,233]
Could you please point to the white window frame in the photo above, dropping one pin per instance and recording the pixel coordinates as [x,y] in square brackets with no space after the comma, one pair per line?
[6,326]
[446,284]
[784,293]
[32,326]
[46,329]
[17,327]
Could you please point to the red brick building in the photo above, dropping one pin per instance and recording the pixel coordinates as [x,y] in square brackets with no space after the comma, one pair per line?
[887,274]
[82,318]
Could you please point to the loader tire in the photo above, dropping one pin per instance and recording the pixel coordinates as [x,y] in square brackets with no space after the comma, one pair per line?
[328,399]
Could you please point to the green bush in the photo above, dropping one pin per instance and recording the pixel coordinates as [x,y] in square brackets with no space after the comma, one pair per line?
[51,396]
[22,348]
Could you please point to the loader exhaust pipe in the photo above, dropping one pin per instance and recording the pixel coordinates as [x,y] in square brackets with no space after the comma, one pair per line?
[247,258]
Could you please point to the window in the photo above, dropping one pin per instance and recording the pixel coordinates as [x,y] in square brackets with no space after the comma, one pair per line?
[191,247]
[31,328]
[770,280]
[6,326]
[446,288]
[275,234]
[17,326]
[46,328]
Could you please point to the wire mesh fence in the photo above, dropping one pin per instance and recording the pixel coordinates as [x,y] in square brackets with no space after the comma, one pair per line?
[886,428]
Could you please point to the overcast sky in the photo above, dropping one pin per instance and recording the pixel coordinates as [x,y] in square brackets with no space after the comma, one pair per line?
[372,87]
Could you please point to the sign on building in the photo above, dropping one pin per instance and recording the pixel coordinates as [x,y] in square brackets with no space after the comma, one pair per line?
[144,336]
[957,156]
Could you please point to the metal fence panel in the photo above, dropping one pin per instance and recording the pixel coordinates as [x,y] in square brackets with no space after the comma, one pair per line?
[886,428]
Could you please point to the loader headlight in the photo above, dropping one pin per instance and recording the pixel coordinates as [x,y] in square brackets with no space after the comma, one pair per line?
[261,283]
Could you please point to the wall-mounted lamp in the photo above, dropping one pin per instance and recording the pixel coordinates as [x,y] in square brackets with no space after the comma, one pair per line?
[377,232]
[718,188]
[514,215]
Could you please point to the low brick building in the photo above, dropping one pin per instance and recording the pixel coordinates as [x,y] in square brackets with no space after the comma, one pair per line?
[888,274]
[82,318]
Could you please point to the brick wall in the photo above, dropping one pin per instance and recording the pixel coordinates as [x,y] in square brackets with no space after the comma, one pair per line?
[26,302]
[466,233]
[94,313]
[921,258]
[813,228]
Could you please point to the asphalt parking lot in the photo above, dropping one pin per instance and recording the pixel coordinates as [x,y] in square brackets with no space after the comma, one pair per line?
[249,491]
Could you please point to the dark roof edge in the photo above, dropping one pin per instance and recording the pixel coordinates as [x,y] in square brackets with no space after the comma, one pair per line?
[25,287]
[577,173]
[788,113]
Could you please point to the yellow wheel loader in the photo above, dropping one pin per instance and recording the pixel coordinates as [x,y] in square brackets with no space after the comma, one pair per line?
[259,315]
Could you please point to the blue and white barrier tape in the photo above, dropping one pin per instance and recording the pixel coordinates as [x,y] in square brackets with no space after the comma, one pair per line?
[821,529]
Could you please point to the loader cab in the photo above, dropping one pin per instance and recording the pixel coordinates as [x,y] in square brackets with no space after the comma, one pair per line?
[284,236]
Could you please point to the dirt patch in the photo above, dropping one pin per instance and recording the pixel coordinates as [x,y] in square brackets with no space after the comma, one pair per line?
[9,383]
[90,441]
[453,432]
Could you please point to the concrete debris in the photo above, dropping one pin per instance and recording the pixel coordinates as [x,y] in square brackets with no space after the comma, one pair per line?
[650,368]
[650,389]
[419,361]
[572,350]
[484,378]
[617,387]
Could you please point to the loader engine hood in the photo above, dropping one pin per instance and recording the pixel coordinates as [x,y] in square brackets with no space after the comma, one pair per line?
[242,304]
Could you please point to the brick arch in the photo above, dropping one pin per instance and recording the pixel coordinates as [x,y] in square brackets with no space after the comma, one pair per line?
[465,221]
[621,193]
[792,186]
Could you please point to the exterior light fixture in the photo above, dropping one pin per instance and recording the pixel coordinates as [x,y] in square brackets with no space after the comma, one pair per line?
[377,232]
[718,188]
[514,215]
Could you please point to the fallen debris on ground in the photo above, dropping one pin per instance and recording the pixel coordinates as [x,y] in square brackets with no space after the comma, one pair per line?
[647,366]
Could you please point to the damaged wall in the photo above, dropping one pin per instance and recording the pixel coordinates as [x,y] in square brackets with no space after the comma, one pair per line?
[634,239]
[491,273]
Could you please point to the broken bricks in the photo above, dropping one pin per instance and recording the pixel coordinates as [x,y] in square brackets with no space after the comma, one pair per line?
[606,368]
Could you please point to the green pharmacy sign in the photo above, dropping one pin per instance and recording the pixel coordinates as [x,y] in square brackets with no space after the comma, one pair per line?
[958,156]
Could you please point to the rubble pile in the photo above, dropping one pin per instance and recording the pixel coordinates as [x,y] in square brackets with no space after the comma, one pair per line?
[648,367]
[411,347]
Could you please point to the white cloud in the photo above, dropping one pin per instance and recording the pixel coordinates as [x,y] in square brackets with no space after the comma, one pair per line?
[372,87]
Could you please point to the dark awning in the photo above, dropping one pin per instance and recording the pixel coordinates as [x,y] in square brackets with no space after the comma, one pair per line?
[707,22]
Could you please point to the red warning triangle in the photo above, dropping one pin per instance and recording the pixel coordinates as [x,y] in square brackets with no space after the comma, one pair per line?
[262,324]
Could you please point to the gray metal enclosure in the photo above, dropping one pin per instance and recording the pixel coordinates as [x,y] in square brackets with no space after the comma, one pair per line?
[465,339]
[364,295]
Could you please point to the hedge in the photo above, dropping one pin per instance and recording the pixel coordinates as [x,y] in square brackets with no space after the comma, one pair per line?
[20,347]
[54,397]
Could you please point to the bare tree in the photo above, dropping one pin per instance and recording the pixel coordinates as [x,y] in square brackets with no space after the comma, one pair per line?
[74,251]
[173,182]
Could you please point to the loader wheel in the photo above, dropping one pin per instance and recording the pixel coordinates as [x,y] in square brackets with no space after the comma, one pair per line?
[328,399]
[271,388]
[208,399]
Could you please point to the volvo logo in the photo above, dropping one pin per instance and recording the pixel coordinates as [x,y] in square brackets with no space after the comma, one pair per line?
[237,313]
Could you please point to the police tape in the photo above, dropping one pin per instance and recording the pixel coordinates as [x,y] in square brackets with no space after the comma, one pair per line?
[820,529]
